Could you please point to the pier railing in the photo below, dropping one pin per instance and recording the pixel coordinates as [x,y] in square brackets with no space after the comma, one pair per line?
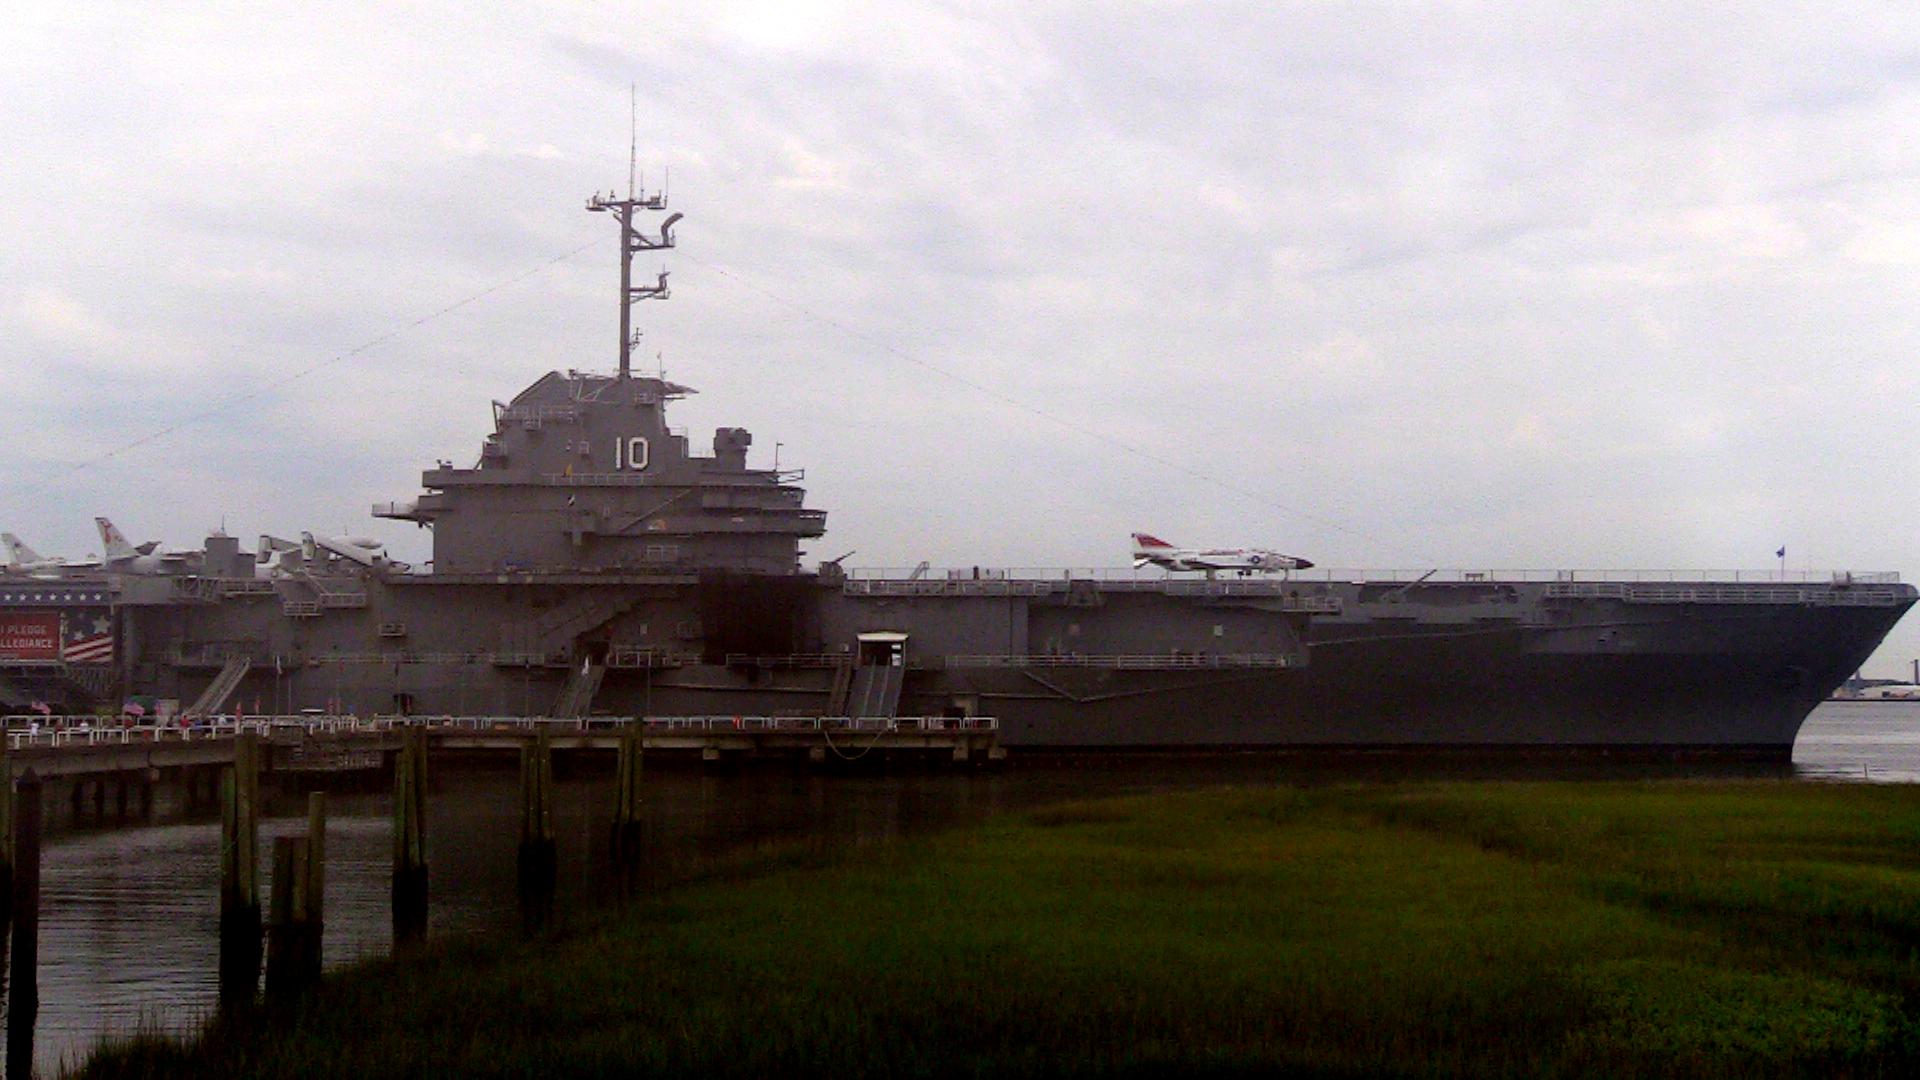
[33,730]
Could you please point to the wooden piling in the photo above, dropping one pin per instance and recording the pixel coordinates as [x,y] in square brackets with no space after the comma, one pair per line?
[626,798]
[536,790]
[240,874]
[410,838]
[296,925]
[317,853]
[537,861]
[293,933]
[6,829]
[23,987]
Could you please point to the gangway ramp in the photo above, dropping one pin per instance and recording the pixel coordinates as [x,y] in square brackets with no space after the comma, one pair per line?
[879,676]
[876,691]
[222,687]
[576,697]
[842,689]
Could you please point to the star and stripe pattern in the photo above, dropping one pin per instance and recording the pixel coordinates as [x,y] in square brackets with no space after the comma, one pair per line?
[88,639]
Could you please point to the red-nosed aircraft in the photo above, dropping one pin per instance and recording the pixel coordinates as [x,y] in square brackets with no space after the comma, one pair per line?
[1242,561]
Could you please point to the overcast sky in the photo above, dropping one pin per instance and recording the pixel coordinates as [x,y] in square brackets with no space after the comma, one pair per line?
[1385,285]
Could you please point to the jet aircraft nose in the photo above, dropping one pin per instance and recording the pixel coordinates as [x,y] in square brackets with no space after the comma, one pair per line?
[1304,565]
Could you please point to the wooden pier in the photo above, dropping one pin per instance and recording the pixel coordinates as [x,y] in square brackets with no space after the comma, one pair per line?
[90,750]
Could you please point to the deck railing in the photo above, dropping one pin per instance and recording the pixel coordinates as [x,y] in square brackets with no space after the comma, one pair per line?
[1134,662]
[1059,574]
[1707,592]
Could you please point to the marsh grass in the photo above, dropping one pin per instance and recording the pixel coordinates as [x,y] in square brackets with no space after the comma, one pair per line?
[1463,929]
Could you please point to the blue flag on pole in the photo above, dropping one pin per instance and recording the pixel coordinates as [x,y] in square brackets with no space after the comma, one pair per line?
[1781,554]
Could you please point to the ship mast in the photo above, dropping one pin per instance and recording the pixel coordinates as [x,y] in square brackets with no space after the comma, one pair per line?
[632,241]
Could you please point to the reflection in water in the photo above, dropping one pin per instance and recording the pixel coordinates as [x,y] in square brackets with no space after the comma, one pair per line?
[129,914]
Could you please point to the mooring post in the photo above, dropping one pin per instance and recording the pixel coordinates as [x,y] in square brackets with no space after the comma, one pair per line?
[296,922]
[23,987]
[626,798]
[240,874]
[537,862]
[536,792]
[410,838]
[292,960]
[317,863]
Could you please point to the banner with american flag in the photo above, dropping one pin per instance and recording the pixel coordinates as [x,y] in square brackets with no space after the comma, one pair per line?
[88,638]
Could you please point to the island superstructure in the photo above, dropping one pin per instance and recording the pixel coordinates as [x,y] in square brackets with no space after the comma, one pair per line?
[593,560]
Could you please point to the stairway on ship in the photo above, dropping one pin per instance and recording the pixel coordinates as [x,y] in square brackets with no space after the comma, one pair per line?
[590,610]
[222,687]
[576,697]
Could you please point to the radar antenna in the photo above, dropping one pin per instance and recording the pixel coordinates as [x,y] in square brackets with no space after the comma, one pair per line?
[633,241]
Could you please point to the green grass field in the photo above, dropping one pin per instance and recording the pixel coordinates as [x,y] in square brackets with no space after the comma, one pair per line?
[1484,928]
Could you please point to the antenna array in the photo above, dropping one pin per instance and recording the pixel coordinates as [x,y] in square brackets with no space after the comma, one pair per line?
[634,241]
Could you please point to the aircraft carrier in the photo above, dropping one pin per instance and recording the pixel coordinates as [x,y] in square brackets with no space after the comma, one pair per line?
[592,561]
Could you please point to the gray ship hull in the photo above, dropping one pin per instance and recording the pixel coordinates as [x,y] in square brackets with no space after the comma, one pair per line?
[1074,665]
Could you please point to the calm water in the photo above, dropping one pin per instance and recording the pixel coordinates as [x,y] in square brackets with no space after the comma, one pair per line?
[128,921]
[1875,741]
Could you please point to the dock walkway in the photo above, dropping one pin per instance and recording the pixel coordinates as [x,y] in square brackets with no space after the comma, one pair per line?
[89,749]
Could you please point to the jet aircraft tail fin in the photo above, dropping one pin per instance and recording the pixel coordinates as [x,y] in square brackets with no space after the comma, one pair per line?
[114,542]
[17,550]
